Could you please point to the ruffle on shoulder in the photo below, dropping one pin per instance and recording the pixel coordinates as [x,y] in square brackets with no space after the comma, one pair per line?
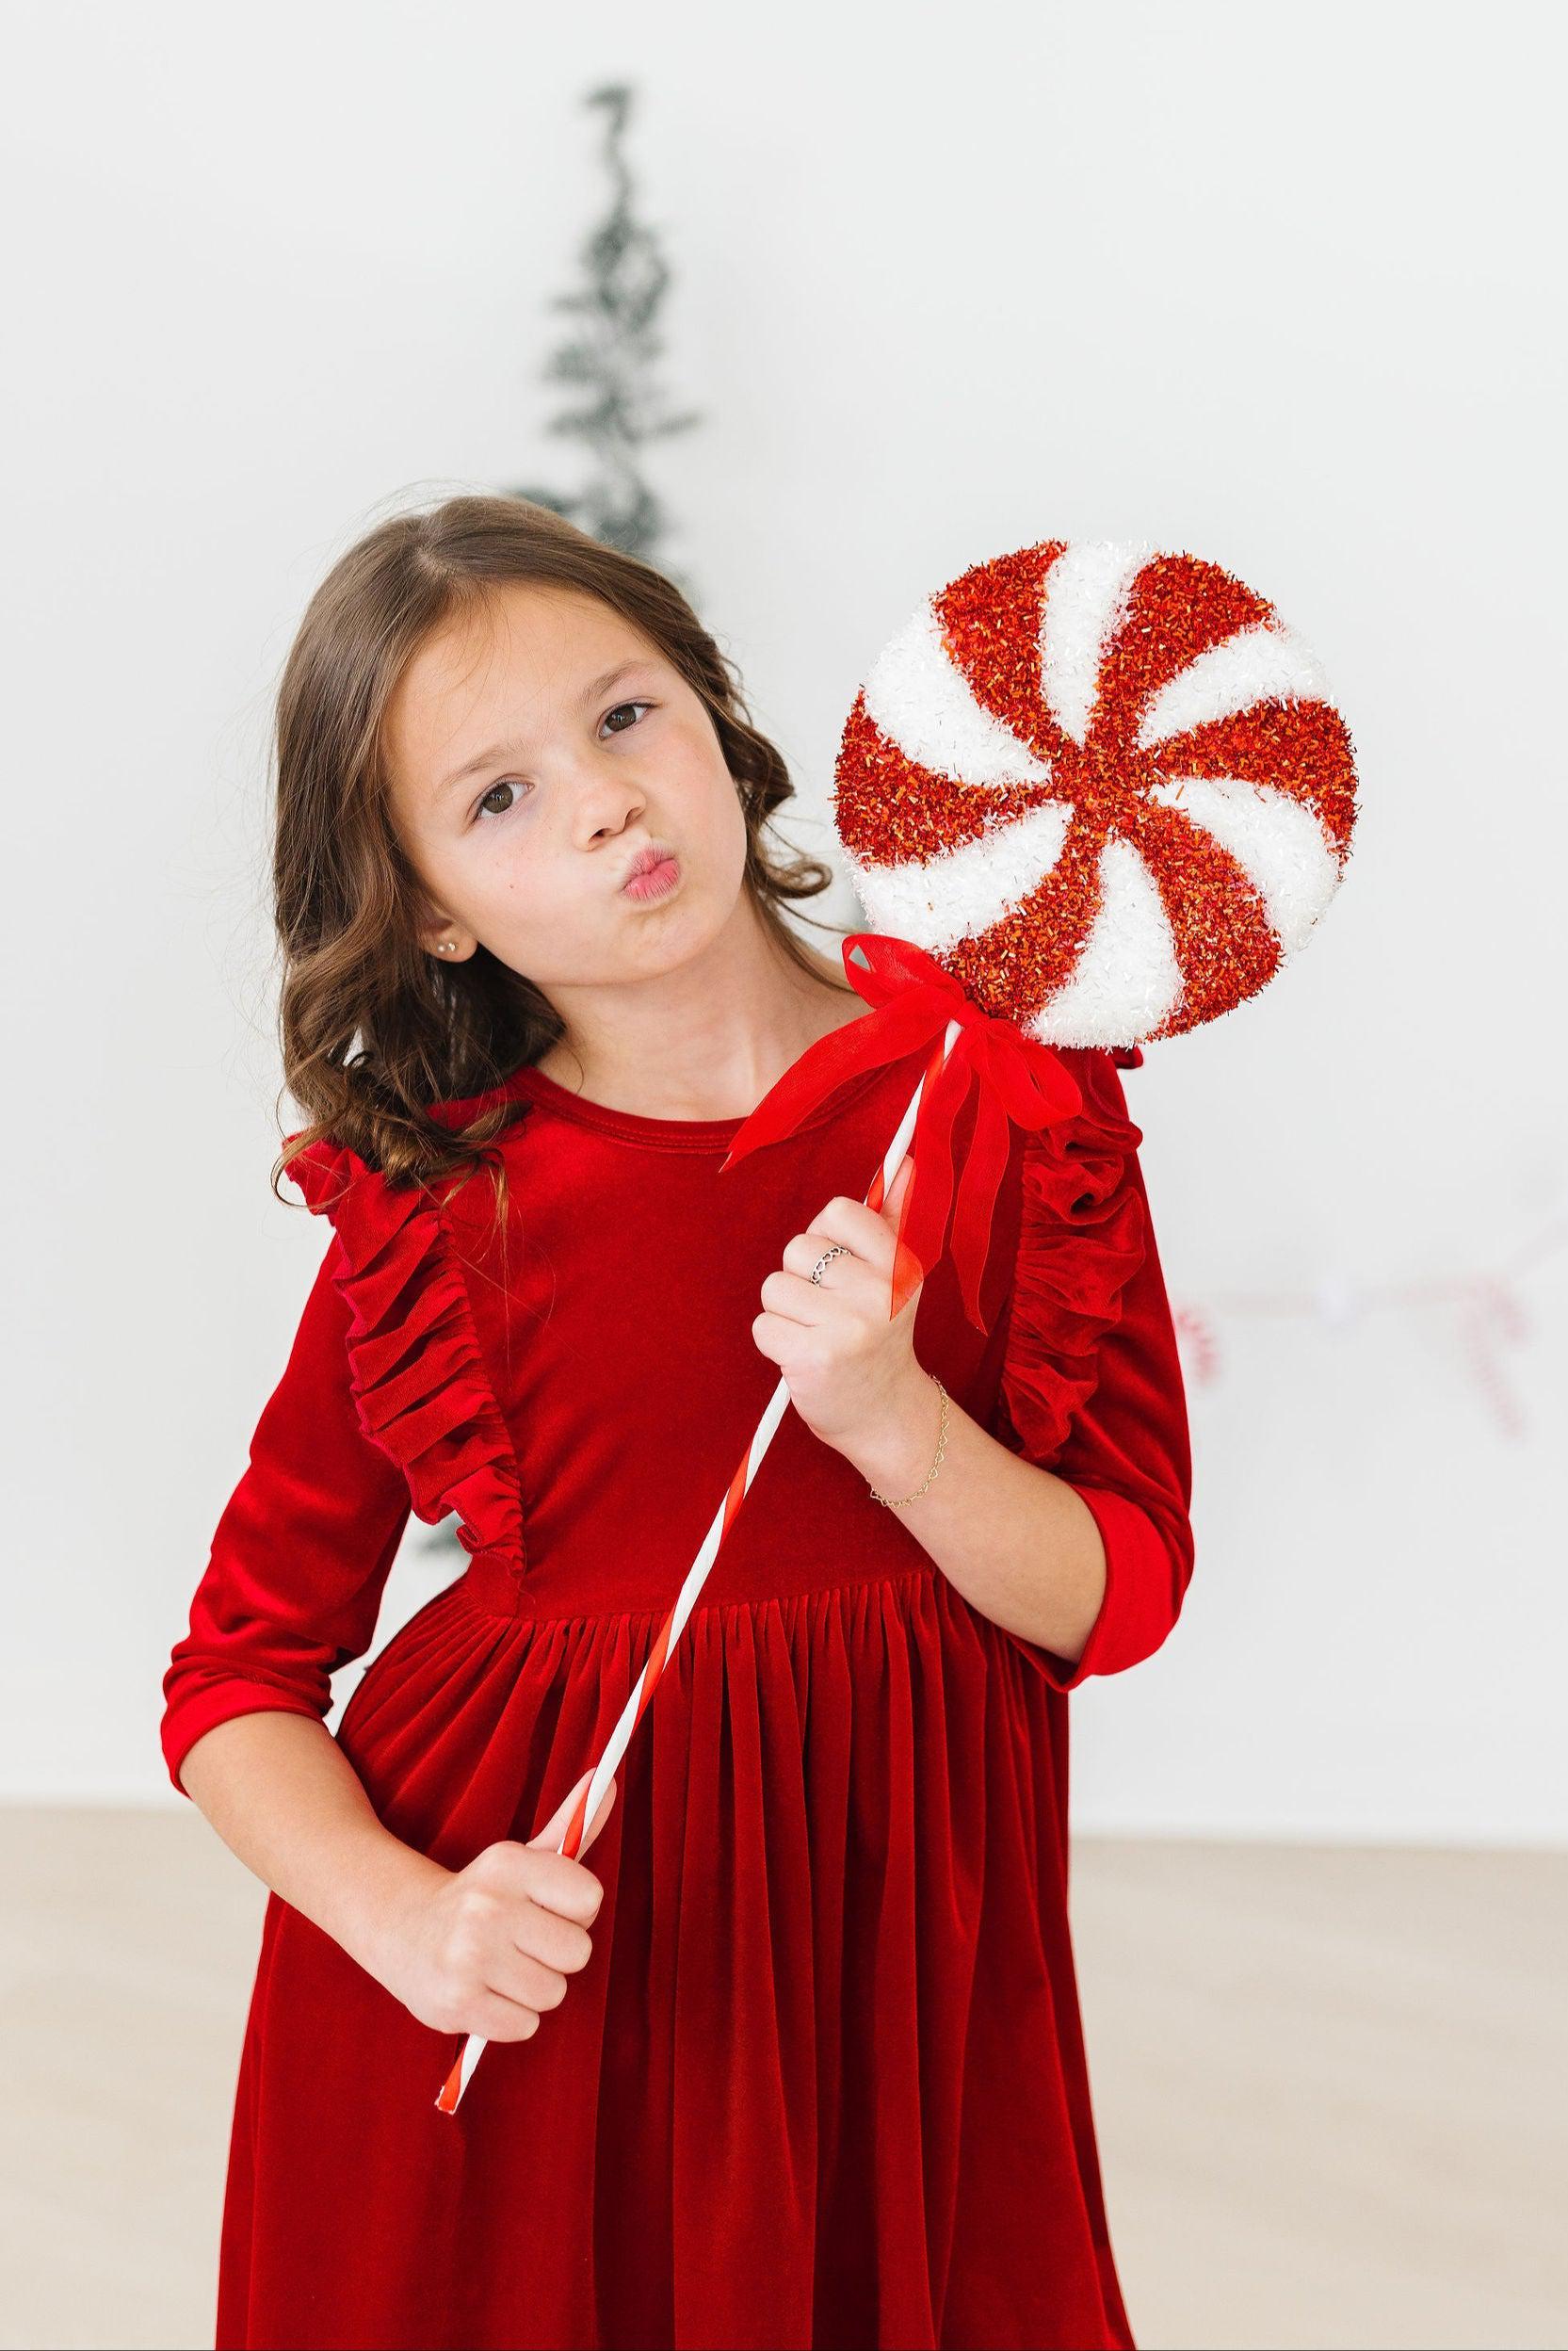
[1081,1240]
[419,1383]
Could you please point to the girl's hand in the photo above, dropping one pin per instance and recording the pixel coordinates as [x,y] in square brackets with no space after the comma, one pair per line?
[853,1372]
[489,1949]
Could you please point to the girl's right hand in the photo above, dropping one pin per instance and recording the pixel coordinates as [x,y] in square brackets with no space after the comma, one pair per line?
[488,1949]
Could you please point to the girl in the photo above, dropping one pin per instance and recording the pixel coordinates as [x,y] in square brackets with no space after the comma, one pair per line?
[799,2061]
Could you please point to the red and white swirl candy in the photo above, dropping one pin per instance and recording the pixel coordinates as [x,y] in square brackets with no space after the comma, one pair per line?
[1106,788]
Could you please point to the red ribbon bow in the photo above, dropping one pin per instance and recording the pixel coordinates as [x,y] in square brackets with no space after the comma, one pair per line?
[1016,1077]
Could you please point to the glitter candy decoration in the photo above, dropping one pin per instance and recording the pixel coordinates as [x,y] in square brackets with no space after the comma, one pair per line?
[1106,789]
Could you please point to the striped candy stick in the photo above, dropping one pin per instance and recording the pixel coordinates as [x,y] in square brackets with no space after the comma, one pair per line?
[908,1273]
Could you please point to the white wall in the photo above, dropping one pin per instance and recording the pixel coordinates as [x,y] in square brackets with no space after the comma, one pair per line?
[1273,284]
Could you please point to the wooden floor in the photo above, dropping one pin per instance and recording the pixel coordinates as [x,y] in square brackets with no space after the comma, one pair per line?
[1329,2083]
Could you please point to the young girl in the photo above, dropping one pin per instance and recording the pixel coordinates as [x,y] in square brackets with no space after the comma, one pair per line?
[799,2060]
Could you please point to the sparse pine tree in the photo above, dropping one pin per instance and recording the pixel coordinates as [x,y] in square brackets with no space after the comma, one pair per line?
[609,360]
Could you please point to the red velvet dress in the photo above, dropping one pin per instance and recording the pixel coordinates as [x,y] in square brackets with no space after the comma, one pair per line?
[822,2080]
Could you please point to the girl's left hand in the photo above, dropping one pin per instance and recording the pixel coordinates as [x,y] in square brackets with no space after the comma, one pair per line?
[851,1368]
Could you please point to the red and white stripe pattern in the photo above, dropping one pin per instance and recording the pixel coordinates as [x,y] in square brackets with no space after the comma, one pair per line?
[1108,788]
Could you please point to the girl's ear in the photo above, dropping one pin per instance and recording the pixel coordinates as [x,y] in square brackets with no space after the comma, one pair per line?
[445,941]
[438,934]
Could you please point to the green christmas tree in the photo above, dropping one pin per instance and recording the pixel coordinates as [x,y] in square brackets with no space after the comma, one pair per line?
[609,361]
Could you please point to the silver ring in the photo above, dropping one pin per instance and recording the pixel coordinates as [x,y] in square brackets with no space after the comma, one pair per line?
[839,1250]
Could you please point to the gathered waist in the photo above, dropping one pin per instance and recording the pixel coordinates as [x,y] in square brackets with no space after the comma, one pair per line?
[492,1586]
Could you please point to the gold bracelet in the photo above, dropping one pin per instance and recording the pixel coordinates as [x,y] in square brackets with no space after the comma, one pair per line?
[940,1443]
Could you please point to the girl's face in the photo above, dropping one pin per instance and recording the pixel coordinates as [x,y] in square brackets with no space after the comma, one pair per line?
[534,747]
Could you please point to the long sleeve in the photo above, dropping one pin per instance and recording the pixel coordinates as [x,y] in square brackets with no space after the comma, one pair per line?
[1094,1379]
[303,1550]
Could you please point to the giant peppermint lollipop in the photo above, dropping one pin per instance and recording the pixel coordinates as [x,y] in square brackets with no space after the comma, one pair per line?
[1106,788]
[1092,795]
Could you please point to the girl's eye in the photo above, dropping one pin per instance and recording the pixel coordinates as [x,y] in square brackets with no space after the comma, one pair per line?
[509,783]
[506,785]
[627,705]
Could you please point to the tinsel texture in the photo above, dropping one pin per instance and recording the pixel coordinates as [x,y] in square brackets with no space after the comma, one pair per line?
[1105,787]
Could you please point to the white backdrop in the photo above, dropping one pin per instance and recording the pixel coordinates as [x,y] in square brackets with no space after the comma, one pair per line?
[1271,285]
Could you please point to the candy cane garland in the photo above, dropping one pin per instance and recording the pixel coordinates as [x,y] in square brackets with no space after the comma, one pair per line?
[669,1631]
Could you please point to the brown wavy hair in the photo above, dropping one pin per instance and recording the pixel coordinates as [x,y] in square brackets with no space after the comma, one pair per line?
[374,1029]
